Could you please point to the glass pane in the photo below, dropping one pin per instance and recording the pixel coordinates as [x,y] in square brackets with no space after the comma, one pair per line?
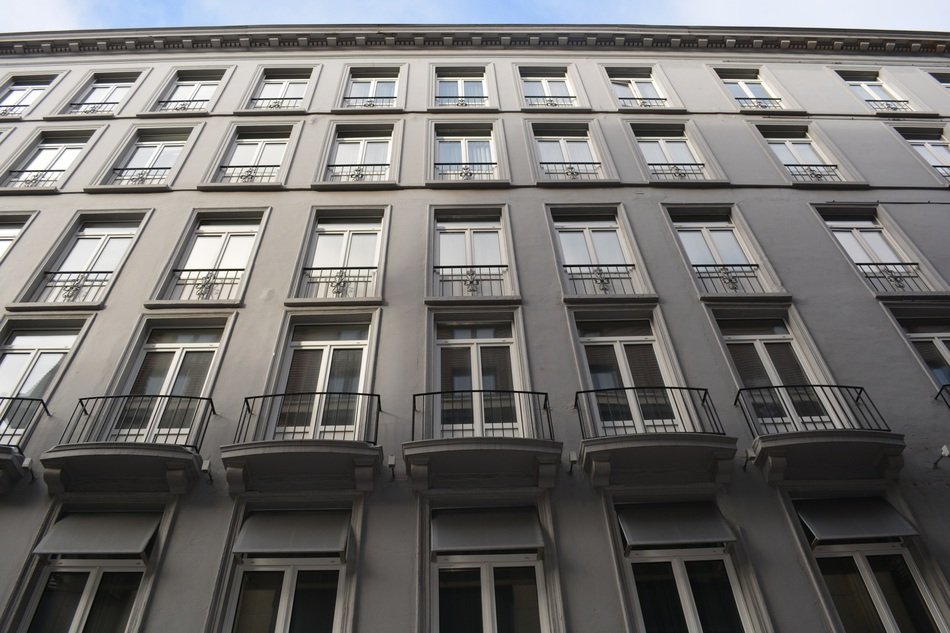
[359,89]
[516,600]
[385,89]
[38,339]
[272,154]
[11,369]
[314,602]
[486,248]
[783,154]
[558,88]
[346,154]
[713,596]
[377,153]
[659,598]
[574,247]
[336,332]
[928,351]
[680,152]
[362,250]
[647,90]
[237,251]
[550,152]
[579,152]
[152,373]
[473,88]
[807,155]
[205,92]
[468,331]
[204,252]
[447,88]
[80,255]
[613,407]
[621,88]
[296,90]
[614,328]
[244,154]
[607,247]
[652,152]
[192,374]
[111,254]
[344,379]
[271,90]
[40,376]
[328,251]
[735,89]
[730,252]
[176,336]
[167,156]
[449,152]
[98,94]
[141,157]
[479,152]
[533,88]
[452,249]
[460,601]
[258,601]
[58,604]
[758,90]
[879,246]
[696,248]
[304,371]
[43,158]
[66,158]
[850,595]
[902,594]
[853,247]
[654,403]
[182,92]
[456,369]
[303,377]
[749,365]
[879,92]
[113,602]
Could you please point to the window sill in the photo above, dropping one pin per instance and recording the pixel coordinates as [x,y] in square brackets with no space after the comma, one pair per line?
[174,304]
[906,114]
[270,112]
[11,117]
[13,191]
[781,297]
[942,296]
[240,186]
[637,299]
[381,184]
[347,301]
[386,109]
[773,111]
[511,300]
[843,184]
[63,306]
[80,116]
[575,108]
[468,184]
[178,114]
[467,108]
[706,182]
[126,188]
[594,182]
[657,110]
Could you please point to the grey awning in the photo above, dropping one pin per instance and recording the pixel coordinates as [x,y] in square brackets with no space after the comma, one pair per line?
[852,519]
[659,524]
[100,533]
[282,533]
[488,530]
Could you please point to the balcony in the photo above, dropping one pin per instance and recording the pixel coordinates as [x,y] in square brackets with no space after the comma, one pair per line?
[33,178]
[104,107]
[465,172]
[943,170]
[18,417]
[130,443]
[814,173]
[13,110]
[139,176]
[642,102]
[570,172]
[893,277]
[653,436]
[245,174]
[759,103]
[219,284]
[594,280]
[288,103]
[677,171]
[182,105]
[819,432]
[889,105]
[729,279]
[470,281]
[73,286]
[944,393]
[305,441]
[337,283]
[376,172]
[540,101]
[369,102]
[481,439]
[467,101]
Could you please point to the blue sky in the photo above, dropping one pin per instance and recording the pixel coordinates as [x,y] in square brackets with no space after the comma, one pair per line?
[38,15]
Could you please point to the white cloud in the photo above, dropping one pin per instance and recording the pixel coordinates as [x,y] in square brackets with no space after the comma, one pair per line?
[41,15]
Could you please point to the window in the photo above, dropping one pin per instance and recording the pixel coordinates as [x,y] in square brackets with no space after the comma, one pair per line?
[150,158]
[471,260]
[46,163]
[932,147]
[668,153]
[565,153]
[281,90]
[104,95]
[343,259]
[798,153]
[594,258]
[636,88]
[216,261]
[716,253]
[88,264]
[875,256]
[191,91]
[371,88]
[254,156]
[9,230]
[547,87]
[931,338]
[101,595]
[868,87]
[460,87]
[745,86]
[22,92]
[465,153]
[942,78]
[360,154]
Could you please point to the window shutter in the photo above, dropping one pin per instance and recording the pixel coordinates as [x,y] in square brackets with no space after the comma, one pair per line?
[304,371]
[643,366]
[786,364]
[749,365]
[152,373]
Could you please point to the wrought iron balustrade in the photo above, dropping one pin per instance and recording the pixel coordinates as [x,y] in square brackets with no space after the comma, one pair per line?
[642,410]
[287,103]
[369,102]
[216,284]
[13,110]
[63,286]
[943,170]
[465,101]
[236,174]
[889,105]
[18,417]
[551,102]
[318,415]
[893,276]
[466,171]
[139,176]
[24,178]
[944,393]
[140,419]
[729,278]
[103,107]
[337,283]
[642,102]
[814,173]
[759,103]
[790,408]
[677,171]
[597,279]
[481,413]
[367,172]
[470,281]
[571,171]
[182,105]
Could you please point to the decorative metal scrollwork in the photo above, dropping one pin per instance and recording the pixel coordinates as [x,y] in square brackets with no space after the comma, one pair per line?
[204,288]
[357,173]
[571,172]
[894,278]
[728,278]
[466,172]
[602,280]
[248,175]
[471,281]
[72,288]
[339,283]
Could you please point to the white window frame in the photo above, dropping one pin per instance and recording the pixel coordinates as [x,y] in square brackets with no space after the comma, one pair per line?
[756,274]
[937,160]
[197,84]
[61,145]
[791,143]
[671,170]
[631,82]
[150,139]
[857,228]
[588,227]
[940,340]
[706,228]
[565,170]
[268,79]
[357,172]
[227,228]
[464,140]
[10,232]
[86,107]
[744,84]
[261,139]
[865,86]
[369,101]
[469,227]
[33,86]
[339,286]
[547,99]
[448,74]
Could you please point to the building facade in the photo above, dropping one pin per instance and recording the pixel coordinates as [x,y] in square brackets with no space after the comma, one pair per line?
[474,329]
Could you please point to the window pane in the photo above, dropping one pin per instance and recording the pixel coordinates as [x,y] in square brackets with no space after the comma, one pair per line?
[296,90]
[696,248]
[749,365]
[612,406]
[728,246]
[460,601]
[496,368]
[167,156]
[273,154]
[66,158]
[141,157]
[111,254]
[244,154]
[516,600]
[473,88]
[237,251]
[652,152]
[40,376]
[204,252]
[736,90]
[448,88]
[304,370]
[328,251]
[807,155]
[359,89]
[533,88]
[452,249]
[80,255]
[192,374]
[113,603]
[479,152]
[449,152]
[258,602]
[852,247]
[902,594]
[11,369]
[377,153]
[659,599]
[574,247]
[314,602]
[647,90]
[385,89]
[621,88]
[487,250]
[850,595]
[713,596]
[57,607]
[175,336]
[607,247]
[680,152]
[152,373]
[205,92]
[928,351]
[346,154]
[579,152]
[271,90]
[345,370]
[362,250]
[550,152]
[879,246]
[456,369]
[758,90]
[783,154]
[558,88]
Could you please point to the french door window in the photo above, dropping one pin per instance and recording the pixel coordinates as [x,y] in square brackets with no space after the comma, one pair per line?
[875,256]
[868,87]
[718,258]
[88,265]
[21,93]
[594,259]
[253,157]
[293,597]
[149,160]
[547,91]
[343,260]
[670,157]
[359,158]
[936,151]
[85,597]
[468,157]
[364,91]
[745,86]
[638,90]
[804,162]
[45,165]
[192,91]
[102,96]
[931,339]
[8,233]
[567,157]
[216,261]
[281,90]
[470,259]
[460,90]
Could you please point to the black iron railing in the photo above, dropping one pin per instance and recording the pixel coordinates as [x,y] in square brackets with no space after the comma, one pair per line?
[91,108]
[18,417]
[337,283]
[943,170]
[944,392]
[141,419]
[319,415]
[677,171]
[729,278]
[759,103]
[236,174]
[814,173]
[13,110]
[642,102]
[192,284]
[139,176]
[889,105]
[182,105]
[470,281]
[596,279]
[369,102]
[23,178]
[466,171]
[481,413]
[466,101]
[789,408]
[63,286]
[367,172]
[571,171]
[287,103]
[550,102]
[893,276]
[640,410]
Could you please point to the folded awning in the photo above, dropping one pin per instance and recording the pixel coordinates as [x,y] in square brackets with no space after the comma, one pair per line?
[672,524]
[486,531]
[867,518]
[283,533]
[100,533]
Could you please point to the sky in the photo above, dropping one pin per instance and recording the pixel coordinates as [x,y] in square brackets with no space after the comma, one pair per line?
[42,15]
